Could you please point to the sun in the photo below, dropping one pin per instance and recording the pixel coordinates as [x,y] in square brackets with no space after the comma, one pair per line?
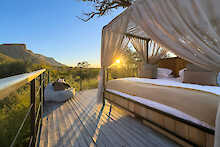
[117,61]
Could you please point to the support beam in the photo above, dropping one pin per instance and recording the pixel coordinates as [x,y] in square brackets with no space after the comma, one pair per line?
[104,84]
[147,50]
[135,36]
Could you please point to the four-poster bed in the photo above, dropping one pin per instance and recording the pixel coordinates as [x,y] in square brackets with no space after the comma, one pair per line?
[184,112]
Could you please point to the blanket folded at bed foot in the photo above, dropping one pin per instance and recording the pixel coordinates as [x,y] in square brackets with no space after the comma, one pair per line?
[58,96]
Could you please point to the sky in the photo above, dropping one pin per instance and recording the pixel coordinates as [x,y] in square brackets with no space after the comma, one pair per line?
[51,28]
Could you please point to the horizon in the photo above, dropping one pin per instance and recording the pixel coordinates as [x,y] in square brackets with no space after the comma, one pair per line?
[52,29]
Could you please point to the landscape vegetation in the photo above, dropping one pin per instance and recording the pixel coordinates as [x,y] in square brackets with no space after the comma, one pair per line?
[21,60]
[14,107]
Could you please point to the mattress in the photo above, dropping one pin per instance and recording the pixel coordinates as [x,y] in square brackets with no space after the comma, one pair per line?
[188,101]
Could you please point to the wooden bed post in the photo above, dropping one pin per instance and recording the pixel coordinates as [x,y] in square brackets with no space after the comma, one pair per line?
[147,50]
[104,84]
[107,74]
[107,78]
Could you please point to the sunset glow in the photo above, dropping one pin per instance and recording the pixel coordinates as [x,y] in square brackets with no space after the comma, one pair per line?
[117,61]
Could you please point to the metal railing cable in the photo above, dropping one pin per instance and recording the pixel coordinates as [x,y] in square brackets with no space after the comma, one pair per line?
[10,84]
[21,126]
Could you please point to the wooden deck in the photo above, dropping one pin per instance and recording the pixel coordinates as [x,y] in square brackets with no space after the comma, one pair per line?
[81,122]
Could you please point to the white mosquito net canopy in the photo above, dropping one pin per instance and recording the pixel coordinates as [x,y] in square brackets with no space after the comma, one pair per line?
[188,28]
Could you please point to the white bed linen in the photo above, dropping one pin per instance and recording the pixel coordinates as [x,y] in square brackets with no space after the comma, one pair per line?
[162,107]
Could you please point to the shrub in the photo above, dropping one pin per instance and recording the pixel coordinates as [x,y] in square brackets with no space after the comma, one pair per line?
[13,68]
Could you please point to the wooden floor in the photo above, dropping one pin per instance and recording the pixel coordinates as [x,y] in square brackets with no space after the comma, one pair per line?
[81,122]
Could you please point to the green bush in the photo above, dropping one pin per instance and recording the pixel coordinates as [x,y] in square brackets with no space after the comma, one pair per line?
[13,68]
[12,112]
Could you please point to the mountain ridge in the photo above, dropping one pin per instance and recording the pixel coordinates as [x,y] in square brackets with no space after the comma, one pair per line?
[20,52]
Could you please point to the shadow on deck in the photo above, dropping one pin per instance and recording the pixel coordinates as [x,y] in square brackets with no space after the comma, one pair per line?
[82,122]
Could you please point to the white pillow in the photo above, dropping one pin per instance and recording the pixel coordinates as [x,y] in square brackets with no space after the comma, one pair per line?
[181,74]
[162,76]
[164,71]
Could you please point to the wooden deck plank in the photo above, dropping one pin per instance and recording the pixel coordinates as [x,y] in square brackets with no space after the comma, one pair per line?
[131,135]
[81,122]
[136,128]
[90,123]
[86,122]
[83,131]
[84,137]
[126,131]
[77,135]
[97,123]
[65,110]
[116,130]
[51,137]
[57,127]
[43,135]
[63,128]
[75,126]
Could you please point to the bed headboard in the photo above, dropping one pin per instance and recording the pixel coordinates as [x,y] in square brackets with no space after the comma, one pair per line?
[175,64]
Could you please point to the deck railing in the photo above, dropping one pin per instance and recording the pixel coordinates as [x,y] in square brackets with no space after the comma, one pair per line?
[10,84]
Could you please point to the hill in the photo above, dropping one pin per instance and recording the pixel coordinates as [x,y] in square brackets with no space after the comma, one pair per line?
[20,52]
[5,59]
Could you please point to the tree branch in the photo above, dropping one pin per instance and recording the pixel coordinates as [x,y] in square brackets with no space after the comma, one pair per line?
[102,7]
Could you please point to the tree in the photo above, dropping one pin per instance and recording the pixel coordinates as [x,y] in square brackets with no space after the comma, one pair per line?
[130,56]
[83,64]
[102,7]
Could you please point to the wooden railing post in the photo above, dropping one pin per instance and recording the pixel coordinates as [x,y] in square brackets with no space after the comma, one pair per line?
[33,113]
[48,77]
[41,96]
[80,80]
[43,89]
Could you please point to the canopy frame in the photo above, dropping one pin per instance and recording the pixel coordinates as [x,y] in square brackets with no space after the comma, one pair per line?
[190,29]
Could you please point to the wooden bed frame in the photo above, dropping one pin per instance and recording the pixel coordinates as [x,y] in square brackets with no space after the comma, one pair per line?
[182,131]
